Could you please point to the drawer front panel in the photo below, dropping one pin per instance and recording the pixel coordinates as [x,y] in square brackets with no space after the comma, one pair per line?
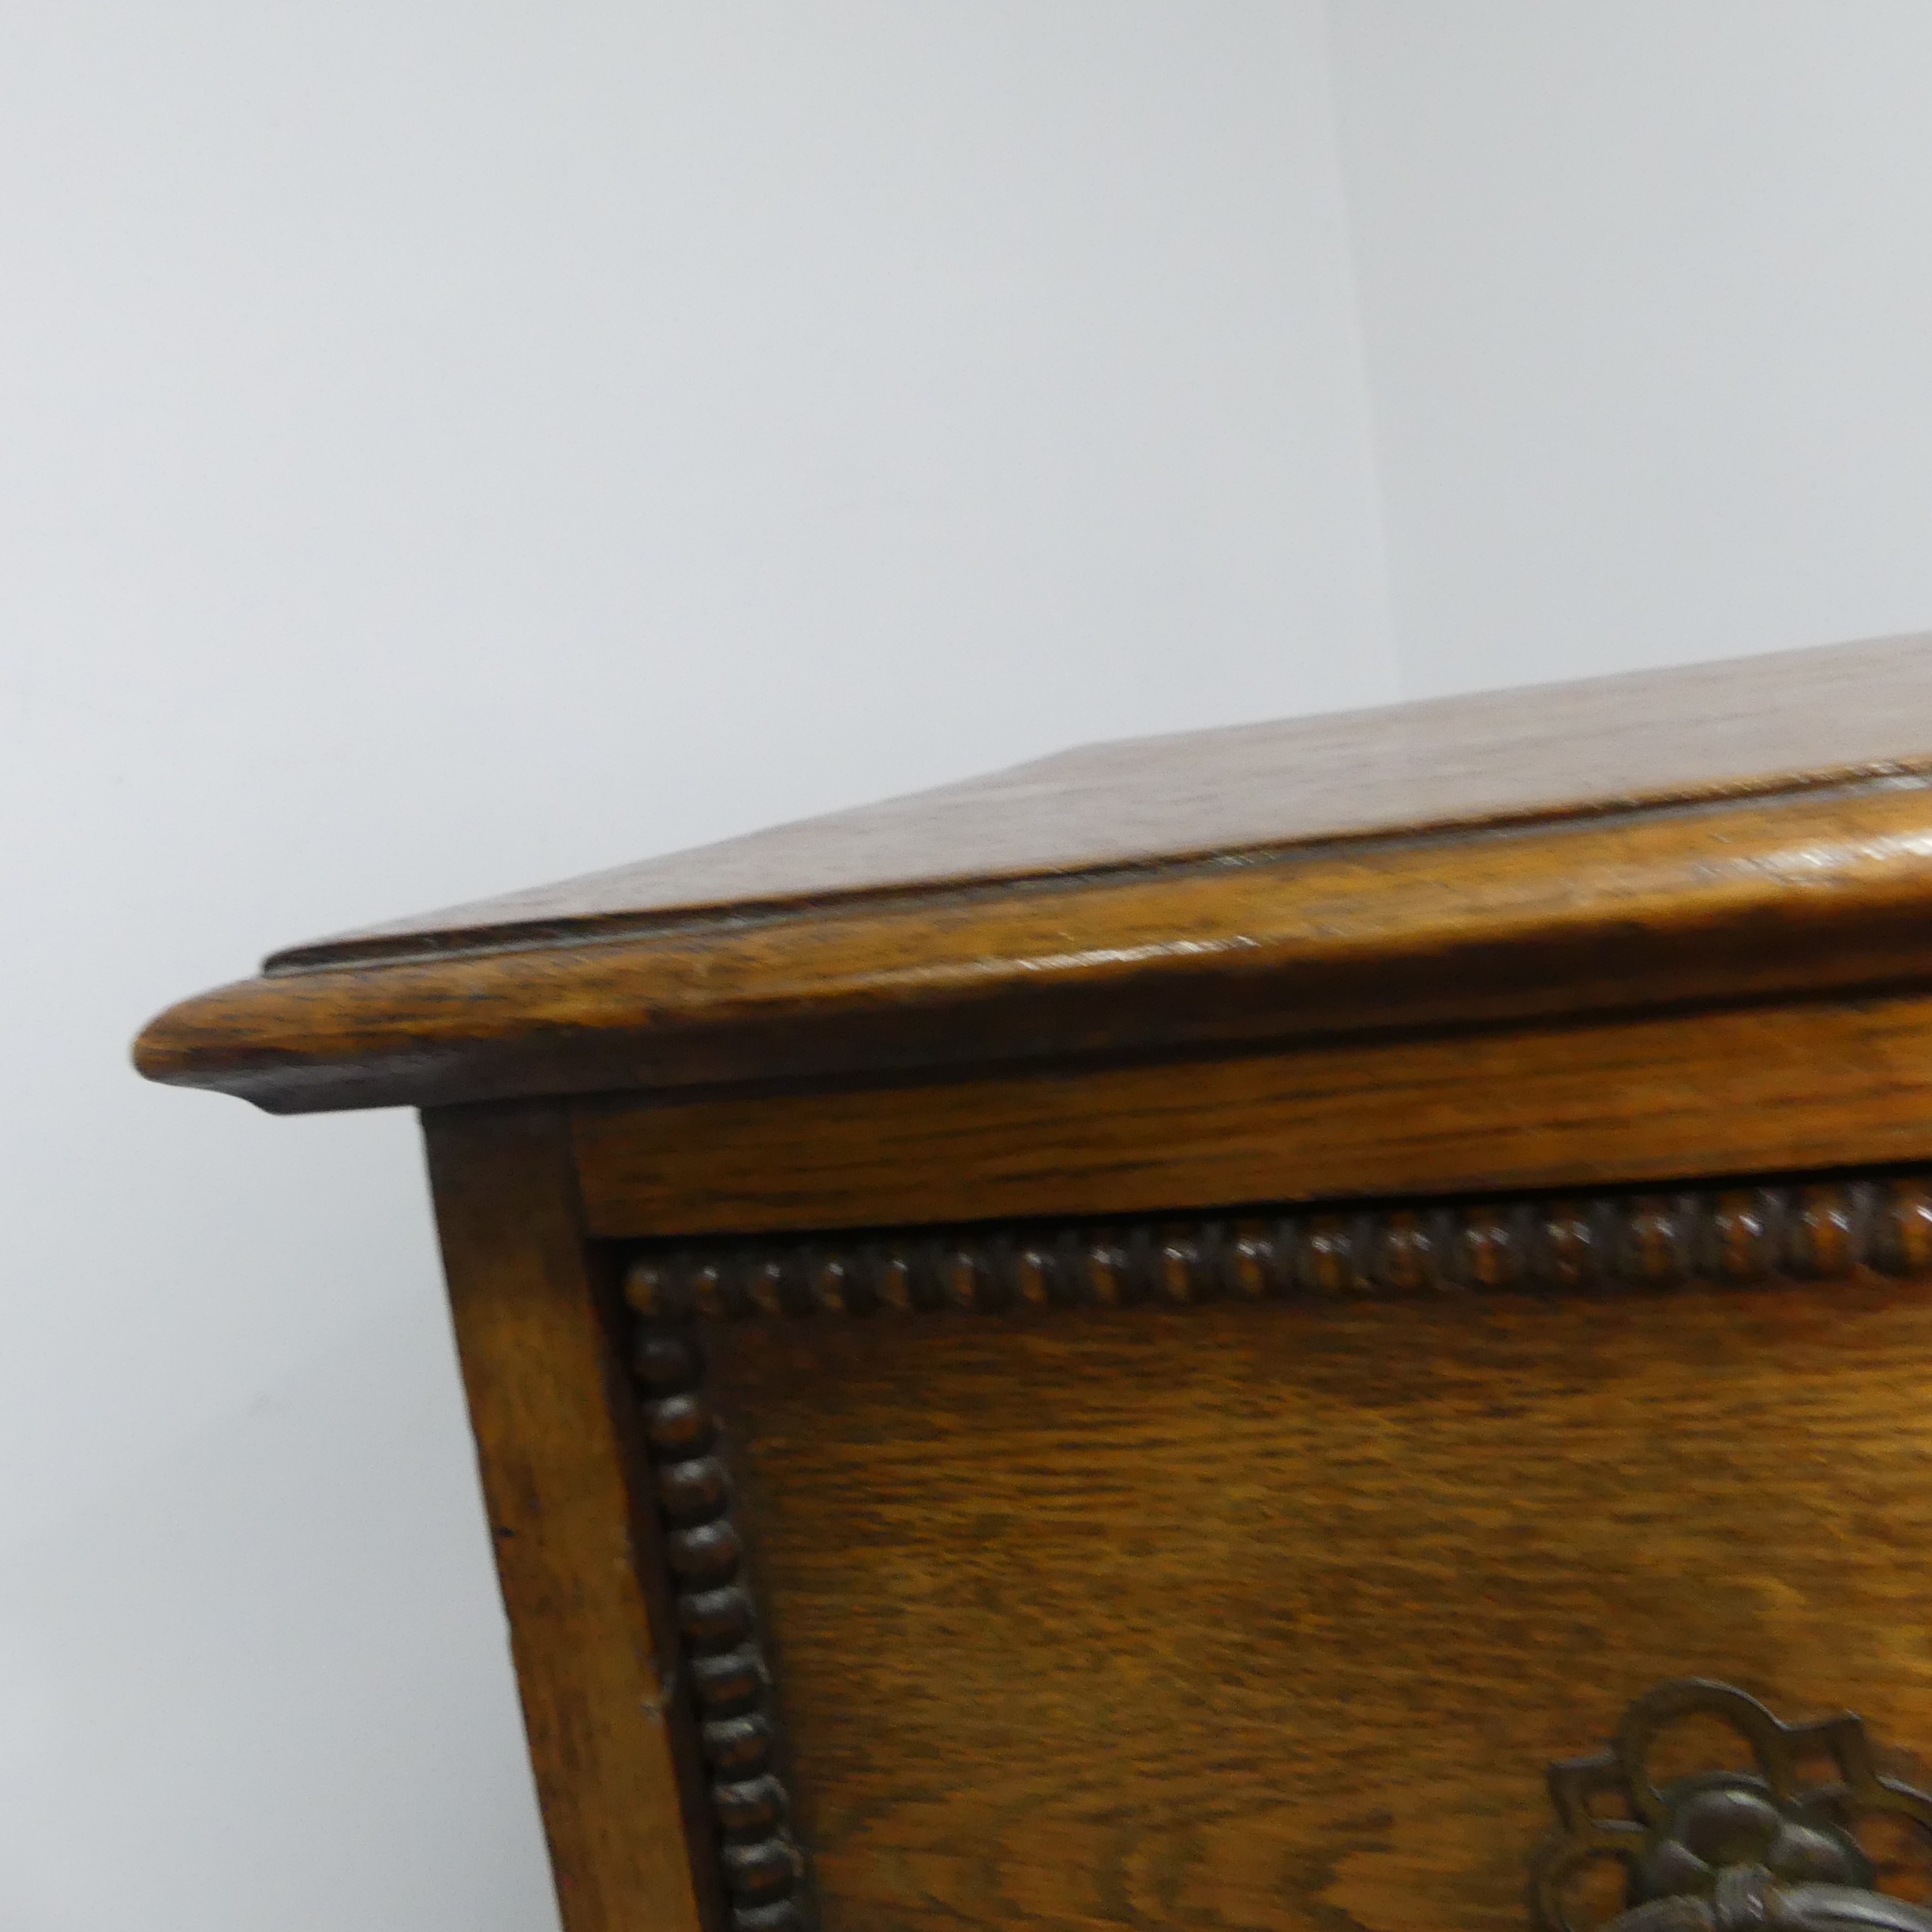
[1273,1615]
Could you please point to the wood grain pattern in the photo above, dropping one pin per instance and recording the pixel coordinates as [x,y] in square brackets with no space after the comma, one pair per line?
[1724,730]
[1602,903]
[1823,889]
[1237,1619]
[1806,1228]
[576,1550]
[1743,1091]
[724,1659]
[1272,1617]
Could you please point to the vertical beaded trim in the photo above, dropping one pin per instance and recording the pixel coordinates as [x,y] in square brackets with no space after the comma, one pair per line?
[764,1870]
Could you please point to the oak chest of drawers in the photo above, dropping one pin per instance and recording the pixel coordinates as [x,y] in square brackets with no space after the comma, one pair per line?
[1318,1327]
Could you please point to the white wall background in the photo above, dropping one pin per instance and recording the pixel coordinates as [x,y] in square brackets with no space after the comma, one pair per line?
[446,446]
[1647,292]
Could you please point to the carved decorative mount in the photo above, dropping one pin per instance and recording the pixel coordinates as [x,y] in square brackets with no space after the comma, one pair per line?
[1722,1850]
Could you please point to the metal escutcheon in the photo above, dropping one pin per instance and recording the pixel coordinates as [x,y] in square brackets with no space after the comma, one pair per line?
[1762,1851]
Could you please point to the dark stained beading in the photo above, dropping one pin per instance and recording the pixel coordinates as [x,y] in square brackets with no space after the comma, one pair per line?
[1806,1228]
[762,1868]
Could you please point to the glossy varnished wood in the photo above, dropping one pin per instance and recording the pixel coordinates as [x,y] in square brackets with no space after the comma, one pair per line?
[1730,1092]
[1202,1565]
[1767,863]
[582,1576]
[1696,731]
[761,1867]
[1273,1617]
[1738,1233]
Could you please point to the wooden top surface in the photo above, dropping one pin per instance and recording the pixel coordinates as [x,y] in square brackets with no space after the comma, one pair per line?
[1722,831]
[1652,737]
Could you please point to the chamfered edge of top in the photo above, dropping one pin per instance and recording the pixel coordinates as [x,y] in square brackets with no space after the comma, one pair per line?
[1751,814]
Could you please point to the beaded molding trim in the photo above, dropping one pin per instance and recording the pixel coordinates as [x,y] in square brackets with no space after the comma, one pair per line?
[1808,1228]
[763,1870]
[1811,1228]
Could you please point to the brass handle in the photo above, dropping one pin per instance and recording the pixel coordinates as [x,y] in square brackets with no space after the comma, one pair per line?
[1727,1851]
